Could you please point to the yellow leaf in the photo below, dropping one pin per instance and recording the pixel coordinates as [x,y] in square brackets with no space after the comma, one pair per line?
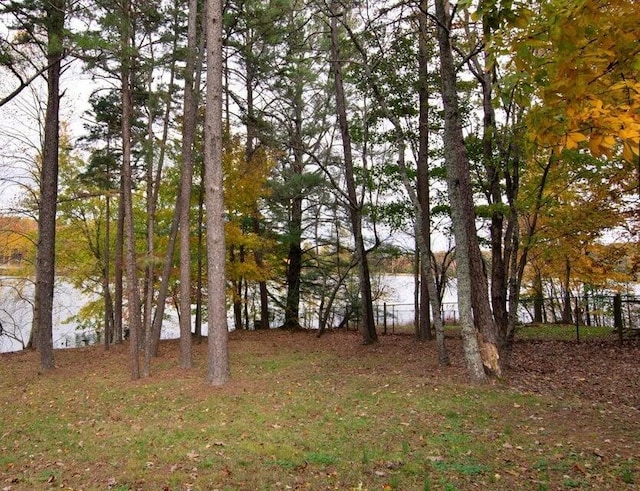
[574,139]
[628,133]
[628,153]
[595,145]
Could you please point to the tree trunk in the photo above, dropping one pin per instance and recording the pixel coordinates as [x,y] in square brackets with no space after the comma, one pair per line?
[367,325]
[133,293]
[161,298]
[567,317]
[294,267]
[149,272]
[168,258]
[459,189]
[250,154]
[218,359]
[199,254]
[496,162]
[422,169]
[538,298]
[119,267]
[519,263]
[492,166]
[294,263]
[236,285]
[45,257]
[421,223]
[186,183]
[106,272]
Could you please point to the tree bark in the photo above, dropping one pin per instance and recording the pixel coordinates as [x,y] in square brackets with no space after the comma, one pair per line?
[252,136]
[106,272]
[45,256]
[294,263]
[164,281]
[459,189]
[422,168]
[496,165]
[567,317]
[421,222]
[119,268]
[499,264]
[186,183]
[538,298]
[199,262]
[175,224]
[367,322]
[133,293]
[149,270]
[218,358]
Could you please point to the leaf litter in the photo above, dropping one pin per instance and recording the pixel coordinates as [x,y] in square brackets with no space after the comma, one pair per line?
[567,416]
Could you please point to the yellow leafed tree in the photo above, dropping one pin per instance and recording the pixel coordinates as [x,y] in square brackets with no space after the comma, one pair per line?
[17,241]
[244,187]
[583,58]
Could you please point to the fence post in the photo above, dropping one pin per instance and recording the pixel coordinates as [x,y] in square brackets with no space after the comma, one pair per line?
[577,316]
[385,317]
[393,319]
[617,315]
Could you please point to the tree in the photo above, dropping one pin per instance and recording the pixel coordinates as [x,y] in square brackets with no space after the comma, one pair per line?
[16,240]
[244,187]
[389,91]
[102,172]
[301,125]
[496,154]
[190,110]
[581,58]
[478,351]
[45,256]
[584,206]
[43,24]
[367,324]
[17,58]
[153,37]
[83,239]
[130,262]
[423,325]
[218,363]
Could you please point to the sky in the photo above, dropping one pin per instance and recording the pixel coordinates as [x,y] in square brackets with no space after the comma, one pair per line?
[20,122]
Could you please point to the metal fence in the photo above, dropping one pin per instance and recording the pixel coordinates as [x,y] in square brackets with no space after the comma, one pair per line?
[619,312]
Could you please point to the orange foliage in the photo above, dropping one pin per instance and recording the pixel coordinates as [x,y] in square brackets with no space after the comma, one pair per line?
[16,240]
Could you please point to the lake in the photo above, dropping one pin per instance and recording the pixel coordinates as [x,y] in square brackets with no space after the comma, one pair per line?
[16,311]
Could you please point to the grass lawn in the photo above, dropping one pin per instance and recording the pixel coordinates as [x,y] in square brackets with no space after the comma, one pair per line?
[329,413]
[565,332]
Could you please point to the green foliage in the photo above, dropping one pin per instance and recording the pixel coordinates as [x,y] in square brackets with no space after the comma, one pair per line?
[626,474]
